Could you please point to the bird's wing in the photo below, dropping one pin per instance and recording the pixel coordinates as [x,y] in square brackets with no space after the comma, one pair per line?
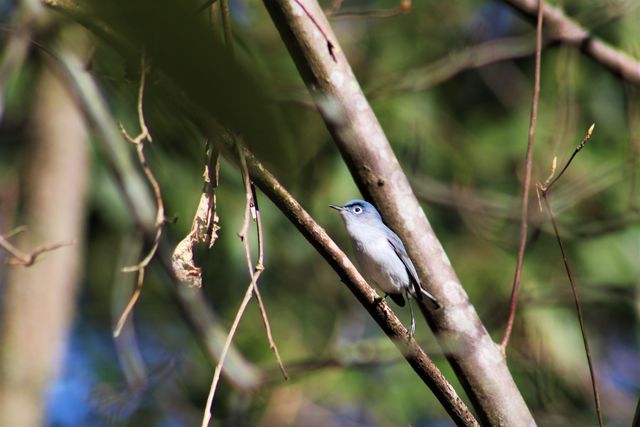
[400,250]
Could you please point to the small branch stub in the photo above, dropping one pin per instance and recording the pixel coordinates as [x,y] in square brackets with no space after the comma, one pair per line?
[24,259]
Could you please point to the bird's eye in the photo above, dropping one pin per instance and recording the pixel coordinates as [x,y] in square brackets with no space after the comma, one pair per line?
[357,210]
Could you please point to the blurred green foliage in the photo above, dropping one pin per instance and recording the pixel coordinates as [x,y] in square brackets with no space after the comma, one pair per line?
[468,133]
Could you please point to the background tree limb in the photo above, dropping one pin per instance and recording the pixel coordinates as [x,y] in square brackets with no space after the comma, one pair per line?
[39,300]
[560,27]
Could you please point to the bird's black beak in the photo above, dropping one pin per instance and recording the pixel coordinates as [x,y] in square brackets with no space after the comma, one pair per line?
[338,208]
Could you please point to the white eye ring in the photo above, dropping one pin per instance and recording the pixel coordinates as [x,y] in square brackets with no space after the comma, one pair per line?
[357,209]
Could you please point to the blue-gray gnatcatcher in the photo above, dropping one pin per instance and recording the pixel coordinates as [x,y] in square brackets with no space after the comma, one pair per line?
[381,255]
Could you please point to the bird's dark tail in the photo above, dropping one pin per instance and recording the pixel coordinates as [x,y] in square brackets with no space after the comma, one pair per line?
[417,288]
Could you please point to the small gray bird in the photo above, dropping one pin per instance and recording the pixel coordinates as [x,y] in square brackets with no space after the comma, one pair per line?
[381,254]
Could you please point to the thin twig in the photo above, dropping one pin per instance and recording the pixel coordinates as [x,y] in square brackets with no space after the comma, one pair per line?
[144,130]
[248,207]
[330,46]
[543,191]
[579,147]
[260,267]
[405,7]
[251,211]
[139,140]
[335,7]
[252,208]
[216,374]
[19,229]
[565,259]
[24,259]
[524,222]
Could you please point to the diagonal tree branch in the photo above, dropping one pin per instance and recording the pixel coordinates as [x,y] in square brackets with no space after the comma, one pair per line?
[378,309]
[562,28]
[477,360]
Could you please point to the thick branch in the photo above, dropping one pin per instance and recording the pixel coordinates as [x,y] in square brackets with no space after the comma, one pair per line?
[478,362]
[560,27]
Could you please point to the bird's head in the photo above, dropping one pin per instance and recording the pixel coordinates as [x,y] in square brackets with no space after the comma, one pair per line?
[358,211]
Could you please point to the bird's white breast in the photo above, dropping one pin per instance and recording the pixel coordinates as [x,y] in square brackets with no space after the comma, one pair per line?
[377,259]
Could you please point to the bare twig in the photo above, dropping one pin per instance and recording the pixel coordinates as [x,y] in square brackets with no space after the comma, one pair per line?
[263,310]
[565,259]
[249,207]
[360,354]
[216,374]
[335,7]
[16,231]
[547,187]
[524,221]
[160,213]
[25,259]
[251,211]
[543,191]
[126,345]
[134,297]
[252,208]
[405,7]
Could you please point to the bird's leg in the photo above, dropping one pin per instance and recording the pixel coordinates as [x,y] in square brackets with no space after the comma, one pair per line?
[412,329]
